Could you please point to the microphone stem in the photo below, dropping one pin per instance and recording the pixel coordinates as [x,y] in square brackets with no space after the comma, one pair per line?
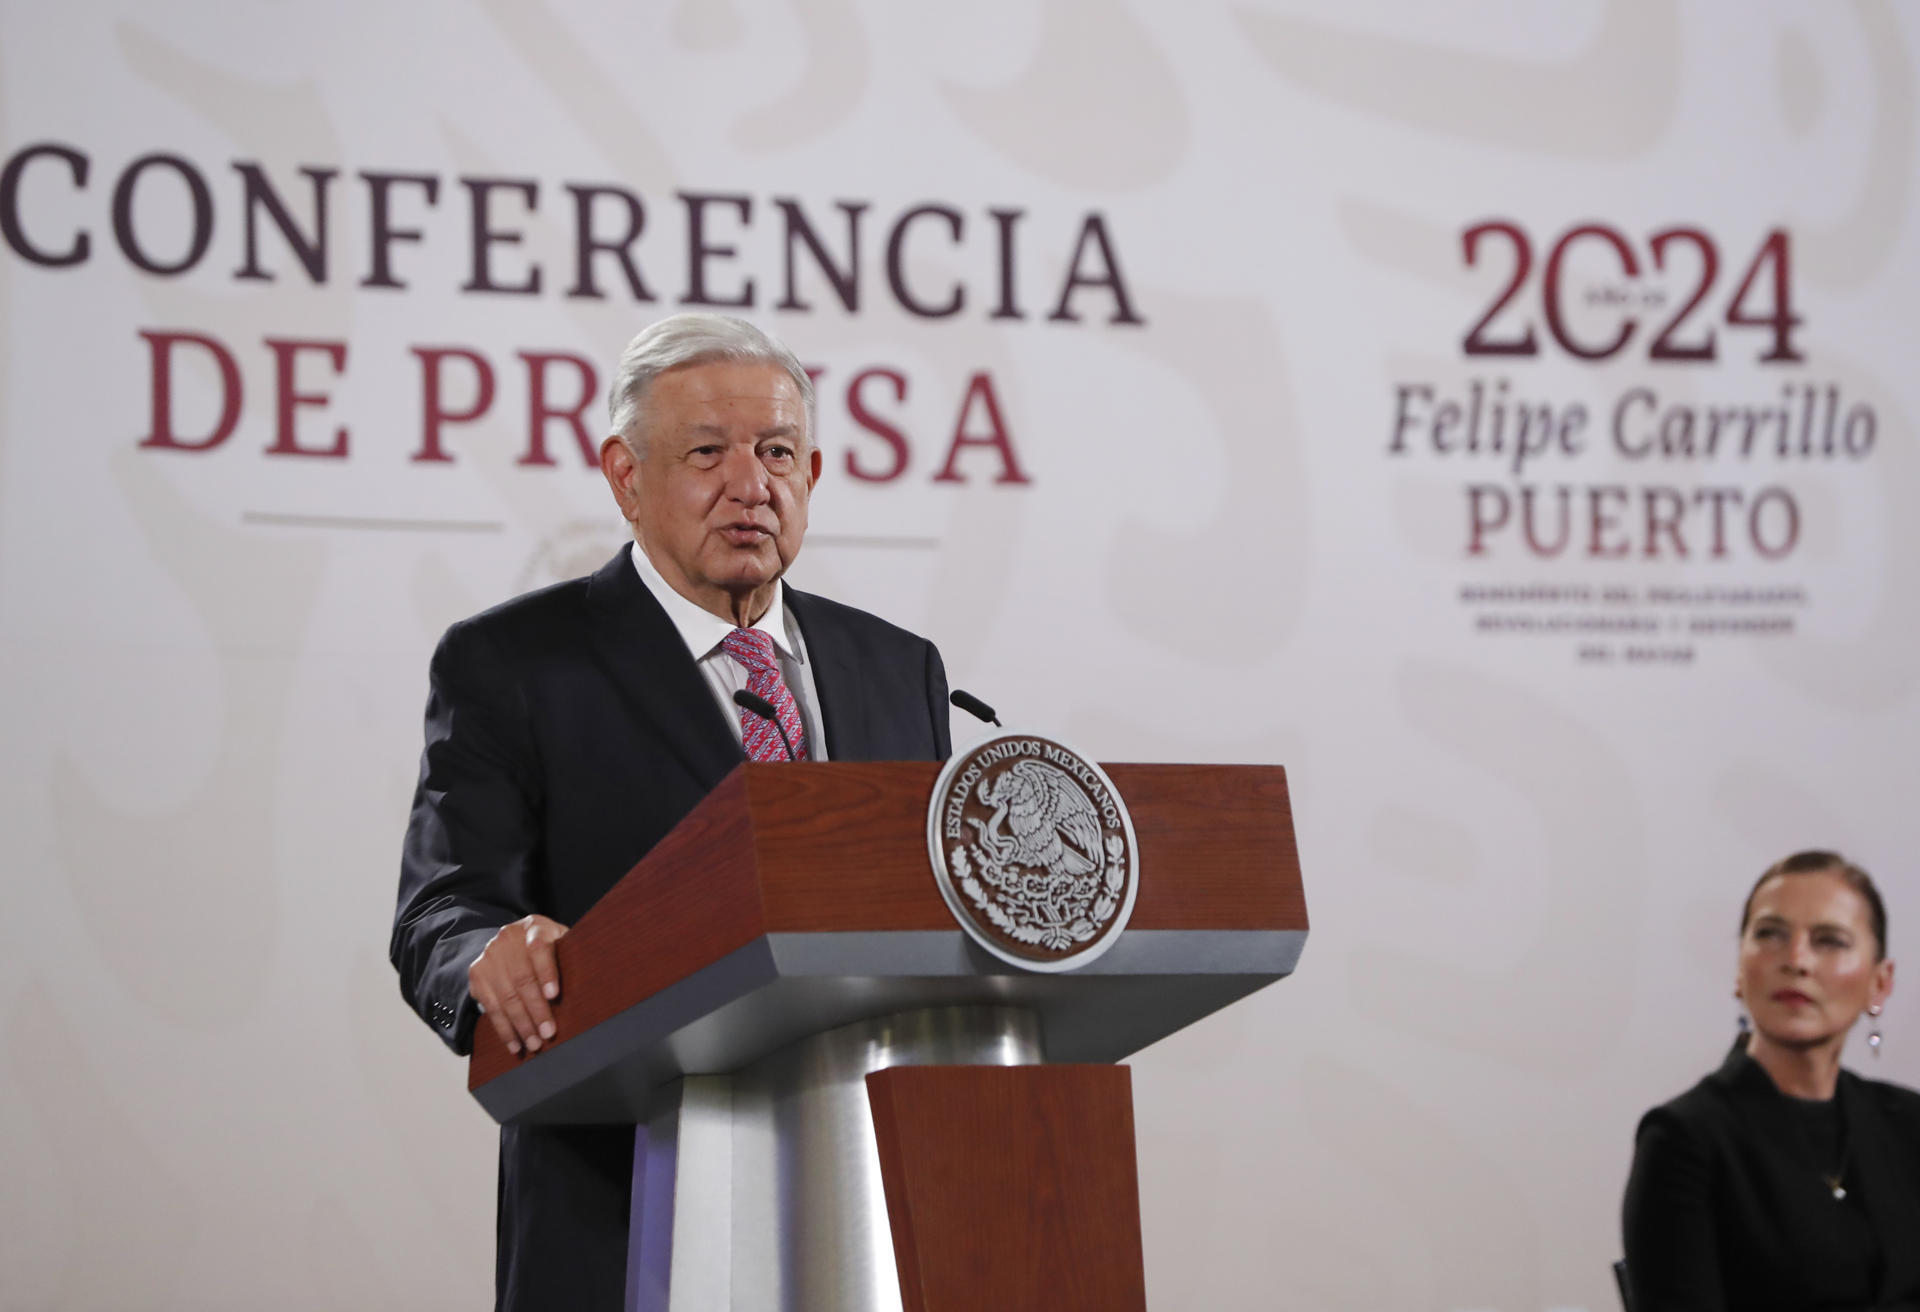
[753,702]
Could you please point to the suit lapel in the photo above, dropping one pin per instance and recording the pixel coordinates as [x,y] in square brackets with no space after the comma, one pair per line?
[1870,1150]
[836,677]
[648,661]
[1750,1089]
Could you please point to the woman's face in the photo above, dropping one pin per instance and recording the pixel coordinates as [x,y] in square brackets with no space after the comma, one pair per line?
[1807,960]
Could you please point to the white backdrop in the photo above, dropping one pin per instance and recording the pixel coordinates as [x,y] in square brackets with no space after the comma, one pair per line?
[1531,781]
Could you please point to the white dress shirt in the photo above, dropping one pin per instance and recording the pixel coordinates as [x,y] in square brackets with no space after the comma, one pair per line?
[703,632]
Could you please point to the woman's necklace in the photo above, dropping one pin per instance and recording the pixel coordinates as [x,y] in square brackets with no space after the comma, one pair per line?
[1835,1179]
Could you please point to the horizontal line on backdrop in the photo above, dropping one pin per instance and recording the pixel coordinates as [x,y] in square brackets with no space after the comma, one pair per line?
[372,522]
[848,540]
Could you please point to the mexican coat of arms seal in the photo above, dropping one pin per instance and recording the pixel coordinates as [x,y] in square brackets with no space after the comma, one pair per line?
[1034,851]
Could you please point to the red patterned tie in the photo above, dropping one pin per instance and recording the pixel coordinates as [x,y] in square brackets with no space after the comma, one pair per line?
[753,649]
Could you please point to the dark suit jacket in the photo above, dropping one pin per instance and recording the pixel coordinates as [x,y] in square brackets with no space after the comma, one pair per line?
[1724,1211]
[567,731]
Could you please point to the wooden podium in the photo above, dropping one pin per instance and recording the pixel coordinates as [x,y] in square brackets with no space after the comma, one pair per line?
[845,1103]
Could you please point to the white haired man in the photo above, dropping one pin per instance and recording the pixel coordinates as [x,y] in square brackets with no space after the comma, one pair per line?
[569,729]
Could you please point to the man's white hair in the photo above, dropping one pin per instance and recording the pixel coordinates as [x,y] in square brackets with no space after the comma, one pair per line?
[689,339]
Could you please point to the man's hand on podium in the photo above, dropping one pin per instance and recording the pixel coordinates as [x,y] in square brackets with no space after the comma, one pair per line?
[515,977]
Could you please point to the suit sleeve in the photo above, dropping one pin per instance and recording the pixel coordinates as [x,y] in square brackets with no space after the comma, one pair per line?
[937,704]
[1667,1220]
[471,862]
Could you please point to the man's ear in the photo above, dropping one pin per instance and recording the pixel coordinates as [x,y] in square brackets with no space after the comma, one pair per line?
[622,470]
[814,464]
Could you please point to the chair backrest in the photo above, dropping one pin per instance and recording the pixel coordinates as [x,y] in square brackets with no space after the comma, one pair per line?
[1626,1289]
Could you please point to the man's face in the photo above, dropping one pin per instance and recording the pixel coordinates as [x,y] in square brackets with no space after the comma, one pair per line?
[719,501]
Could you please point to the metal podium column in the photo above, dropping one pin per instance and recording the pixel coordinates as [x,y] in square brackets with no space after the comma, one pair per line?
[761,1191]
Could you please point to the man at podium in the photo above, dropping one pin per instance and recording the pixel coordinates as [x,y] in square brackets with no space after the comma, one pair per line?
[569,729]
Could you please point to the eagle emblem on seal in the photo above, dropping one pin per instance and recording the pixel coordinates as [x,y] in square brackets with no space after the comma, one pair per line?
[1033,850]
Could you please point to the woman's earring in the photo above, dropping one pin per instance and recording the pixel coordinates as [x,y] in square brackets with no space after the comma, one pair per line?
[1873,1035]
[1744,1024]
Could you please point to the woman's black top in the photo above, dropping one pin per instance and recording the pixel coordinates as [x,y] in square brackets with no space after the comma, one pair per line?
[1745,1200]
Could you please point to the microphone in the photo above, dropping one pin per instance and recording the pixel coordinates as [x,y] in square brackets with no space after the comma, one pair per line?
[973,706]
[763,708]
